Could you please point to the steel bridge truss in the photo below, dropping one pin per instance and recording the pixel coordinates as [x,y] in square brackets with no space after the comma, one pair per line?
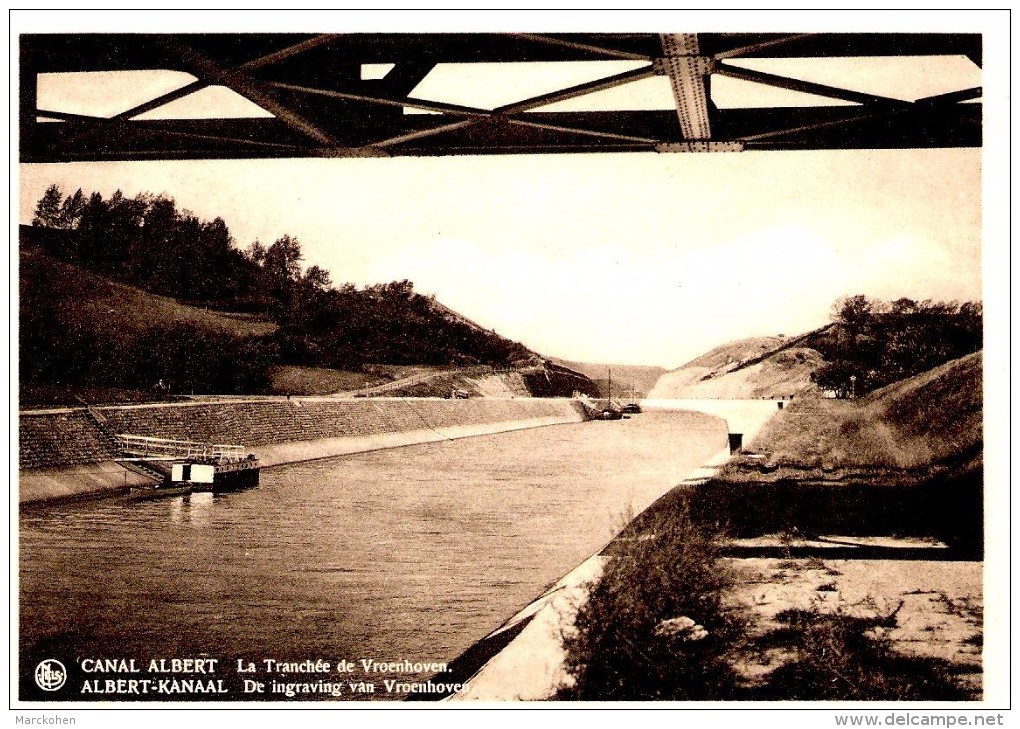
[317,103]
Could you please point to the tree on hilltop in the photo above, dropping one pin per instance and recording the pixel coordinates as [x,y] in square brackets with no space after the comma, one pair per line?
[318,278]
[47,210]
[256,253]
[875,343]
[71,210]
[283,261]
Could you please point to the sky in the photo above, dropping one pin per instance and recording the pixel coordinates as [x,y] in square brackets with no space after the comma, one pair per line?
[617,258]
[626,258]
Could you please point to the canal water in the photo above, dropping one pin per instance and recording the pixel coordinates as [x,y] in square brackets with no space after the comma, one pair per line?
[403,555]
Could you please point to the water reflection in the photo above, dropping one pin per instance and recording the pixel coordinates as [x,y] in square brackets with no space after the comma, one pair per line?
[194,509]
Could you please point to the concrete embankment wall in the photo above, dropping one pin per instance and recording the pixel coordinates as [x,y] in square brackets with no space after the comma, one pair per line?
[742,416]
[64,453]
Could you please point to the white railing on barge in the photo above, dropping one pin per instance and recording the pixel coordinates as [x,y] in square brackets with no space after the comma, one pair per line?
[148,447]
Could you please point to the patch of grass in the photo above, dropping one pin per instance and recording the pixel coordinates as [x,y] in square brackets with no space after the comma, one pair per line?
[816,563]
[622,651]
[977,640]
[45,395]
[947,507]
[932,417]
[294,380]
[842,657]
[961,608]
[111,308]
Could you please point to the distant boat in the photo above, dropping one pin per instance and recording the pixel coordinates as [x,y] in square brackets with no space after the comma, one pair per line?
[609,412]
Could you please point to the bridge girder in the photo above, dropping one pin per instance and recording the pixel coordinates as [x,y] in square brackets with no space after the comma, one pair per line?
[319,105]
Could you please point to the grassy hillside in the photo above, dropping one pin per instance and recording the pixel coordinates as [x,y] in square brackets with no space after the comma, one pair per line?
[101,305]
[906,460]
[930,419]
[757,367]
[537,380]
[937,415]
[83,336]
[733,353]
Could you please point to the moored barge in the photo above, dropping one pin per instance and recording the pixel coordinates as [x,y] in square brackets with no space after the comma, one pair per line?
[187,466]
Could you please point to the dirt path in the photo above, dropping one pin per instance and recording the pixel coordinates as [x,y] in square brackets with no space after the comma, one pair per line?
[938,605]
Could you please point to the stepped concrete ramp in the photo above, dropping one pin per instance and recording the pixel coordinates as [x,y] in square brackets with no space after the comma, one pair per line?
[61,437]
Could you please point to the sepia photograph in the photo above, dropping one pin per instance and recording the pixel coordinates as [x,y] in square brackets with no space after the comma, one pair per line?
[549,360]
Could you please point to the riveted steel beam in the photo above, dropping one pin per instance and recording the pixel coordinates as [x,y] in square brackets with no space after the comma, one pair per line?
[208,70]
[321,107]
[807,87]
[700,147]
[687,71]
[587,47]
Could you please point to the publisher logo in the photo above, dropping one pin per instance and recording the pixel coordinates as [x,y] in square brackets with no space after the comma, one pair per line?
[50,674]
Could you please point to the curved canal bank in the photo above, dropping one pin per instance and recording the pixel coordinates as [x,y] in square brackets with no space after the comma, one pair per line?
[68,453]
[405,553]
[523,659]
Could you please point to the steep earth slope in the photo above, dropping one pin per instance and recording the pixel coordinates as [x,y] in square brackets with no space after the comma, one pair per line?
[757,367]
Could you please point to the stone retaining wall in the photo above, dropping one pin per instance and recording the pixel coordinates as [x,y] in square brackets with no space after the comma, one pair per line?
[68,438]
[65,453]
